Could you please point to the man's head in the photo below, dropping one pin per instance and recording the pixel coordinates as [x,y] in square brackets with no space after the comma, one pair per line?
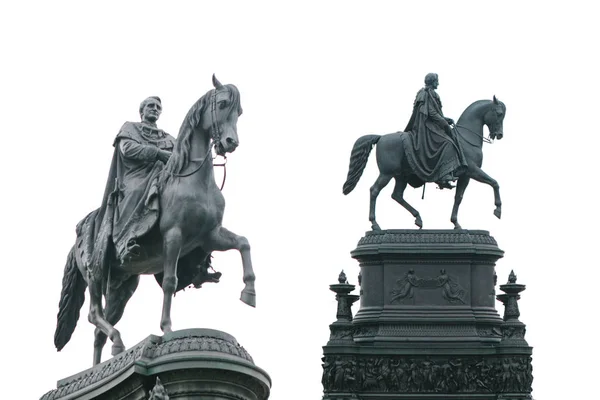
[431,80]
[150,109]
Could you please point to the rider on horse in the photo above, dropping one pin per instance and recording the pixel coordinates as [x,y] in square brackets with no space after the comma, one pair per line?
[141,152]
[432,152]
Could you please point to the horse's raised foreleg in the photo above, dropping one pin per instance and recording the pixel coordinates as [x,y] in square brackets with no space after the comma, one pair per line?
[461,186]
[480,176]
[220,239]
[96,317]
[380,183]
[398,195]
[119,294]
[172,242]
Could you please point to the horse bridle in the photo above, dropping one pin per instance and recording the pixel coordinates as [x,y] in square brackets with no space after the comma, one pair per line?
[215,137]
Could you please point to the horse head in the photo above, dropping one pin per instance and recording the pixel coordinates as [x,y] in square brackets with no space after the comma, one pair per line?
[221,115]
[494,117]
[213,118]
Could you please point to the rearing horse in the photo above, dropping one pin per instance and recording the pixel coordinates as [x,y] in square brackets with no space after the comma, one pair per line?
[392,163]
[188,229]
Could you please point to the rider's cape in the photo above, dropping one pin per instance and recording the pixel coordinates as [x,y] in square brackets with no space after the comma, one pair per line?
[129,207]
[430,153]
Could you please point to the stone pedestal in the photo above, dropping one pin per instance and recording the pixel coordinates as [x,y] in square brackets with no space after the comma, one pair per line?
[191,364]
[427,287]
[427,326]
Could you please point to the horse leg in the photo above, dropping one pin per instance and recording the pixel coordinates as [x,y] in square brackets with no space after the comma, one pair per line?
[481,176]
[461,186]
[172,242]
[380,183]
[398,195]
[119,295]
[220,239]
[96,317]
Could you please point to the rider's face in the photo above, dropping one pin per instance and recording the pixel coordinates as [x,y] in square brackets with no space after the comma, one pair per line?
[435,83]
[151,111]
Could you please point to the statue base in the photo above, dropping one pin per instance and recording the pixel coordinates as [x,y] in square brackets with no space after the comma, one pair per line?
[190,364]
[427,327]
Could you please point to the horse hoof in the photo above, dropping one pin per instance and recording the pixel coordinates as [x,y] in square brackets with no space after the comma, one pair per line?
[248,298]
[457,226]
[117,349]
[497,212]
[166,328]
[419,223]
[375,226]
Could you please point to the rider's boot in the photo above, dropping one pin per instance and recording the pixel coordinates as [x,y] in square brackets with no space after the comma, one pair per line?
[204,276]
[445,185]
[446,182]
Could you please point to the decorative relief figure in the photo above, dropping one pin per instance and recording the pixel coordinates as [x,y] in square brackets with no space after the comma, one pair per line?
[451,290]
[405,286]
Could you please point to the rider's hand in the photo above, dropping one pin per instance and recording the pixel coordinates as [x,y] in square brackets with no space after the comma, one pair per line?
[163,156]
[450,121]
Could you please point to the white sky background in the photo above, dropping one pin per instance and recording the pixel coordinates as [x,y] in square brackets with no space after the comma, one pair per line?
[313,78]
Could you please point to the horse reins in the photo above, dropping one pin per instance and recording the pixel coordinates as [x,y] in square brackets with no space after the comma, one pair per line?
[483,138]
[224,165]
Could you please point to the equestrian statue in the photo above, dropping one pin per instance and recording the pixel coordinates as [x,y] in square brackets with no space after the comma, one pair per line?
[161,214]
[432,149]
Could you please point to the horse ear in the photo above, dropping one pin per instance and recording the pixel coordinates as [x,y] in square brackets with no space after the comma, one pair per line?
[495,100]
[216,82]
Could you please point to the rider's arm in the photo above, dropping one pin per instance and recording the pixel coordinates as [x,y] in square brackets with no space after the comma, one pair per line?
[437,117]
[136,151]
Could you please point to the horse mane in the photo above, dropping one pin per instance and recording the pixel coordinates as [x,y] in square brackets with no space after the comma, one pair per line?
[479,103]
[180,157]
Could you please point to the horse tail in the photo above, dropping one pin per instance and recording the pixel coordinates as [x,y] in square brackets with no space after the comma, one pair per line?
[358,160]
[72,297]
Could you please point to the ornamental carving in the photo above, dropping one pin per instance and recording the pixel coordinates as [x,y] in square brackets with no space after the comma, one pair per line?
[195,343]
[416,329]
[93,375]
[489,331]
[427,237]
[341,332]
[365,331]
[513,332]
[350,374]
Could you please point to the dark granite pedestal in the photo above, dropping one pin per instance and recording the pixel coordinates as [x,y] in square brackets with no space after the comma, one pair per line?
[191,364]
[427,327]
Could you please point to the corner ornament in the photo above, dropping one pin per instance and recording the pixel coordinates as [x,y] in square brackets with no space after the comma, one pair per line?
[158,392]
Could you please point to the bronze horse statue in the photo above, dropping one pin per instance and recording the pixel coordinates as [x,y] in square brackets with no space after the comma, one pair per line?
[179,245]
[392,164]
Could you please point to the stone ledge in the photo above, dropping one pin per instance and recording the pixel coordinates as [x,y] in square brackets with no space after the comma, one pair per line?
[416,244]
[428,236]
